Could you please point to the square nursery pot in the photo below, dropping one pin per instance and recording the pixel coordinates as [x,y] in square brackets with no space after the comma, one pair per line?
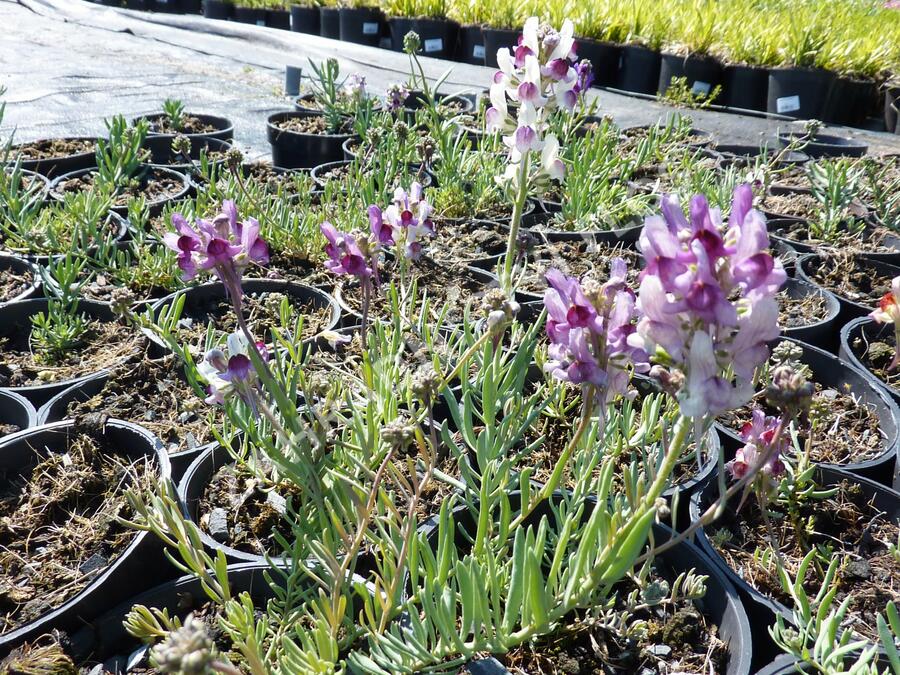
[305,19]
[250,15]
[850,102]
[497,38]
[604,57]
[702,72]
[798,92]
[330,22]
[174,6]
[438,36]
[745,87]
[891,108]
[361,25]
[218,9]
[278,18]
[470,46]
[639,69]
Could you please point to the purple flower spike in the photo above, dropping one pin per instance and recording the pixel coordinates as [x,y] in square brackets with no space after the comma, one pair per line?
[344,253]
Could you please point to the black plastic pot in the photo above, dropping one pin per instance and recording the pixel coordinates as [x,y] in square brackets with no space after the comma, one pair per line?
[140,565]
[217,9]
[174,6]
[16,317]
[251,15]
[14,263]
[330,22]
[305,19]
[702,73]
[625,233]
[891,108]
[798,92]
[106,640]
[216,291]
[865,329]
[438,36]
[470,47]
[497,38]
[821,333]
[16,411]
[824,145]
[721,603]
[278,18]
[292,150]
[745,87]
[224,129]
[56,166]
[742,155]
[164,156]
[760,608]
[639,69]
[361,25]
[849,309]
[830,371]
[42,181]
[787,254]
[604,57]
[154,207]
[850,101]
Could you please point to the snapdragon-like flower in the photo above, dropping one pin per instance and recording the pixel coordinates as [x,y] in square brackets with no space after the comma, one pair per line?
[232,373]
[888,311]
[707,299]
[540,76]
[395,97]
[589,325]
[406,221]
[355,86]
[759,435]
[344,253]
[225,246]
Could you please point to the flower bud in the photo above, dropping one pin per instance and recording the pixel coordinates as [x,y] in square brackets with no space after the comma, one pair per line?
[411,42]
[234,158]
[187,650]
[120,300]
[398,433]
[424,383]
[789,391]
[499,309]
[217,359]
[181,145]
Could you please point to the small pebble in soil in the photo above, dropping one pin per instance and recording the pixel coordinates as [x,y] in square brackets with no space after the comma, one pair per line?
[859,569]
[218,524]
[190,441]
[660,651]
[95,562]
[277,502]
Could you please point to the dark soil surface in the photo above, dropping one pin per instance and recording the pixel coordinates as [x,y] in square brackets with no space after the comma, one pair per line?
[14,282]
[52,148]
[844,241]
[189,124]
[851,279]
[575,259]
[803,311]
[877,357]
[845,523]
[467,241]
[104,345]
[58,527]
[274,182]
[846,429]
[155,395]
[294,267]
[155,186]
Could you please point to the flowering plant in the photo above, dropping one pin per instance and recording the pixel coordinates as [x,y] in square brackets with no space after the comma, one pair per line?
[404,223]
[888,311]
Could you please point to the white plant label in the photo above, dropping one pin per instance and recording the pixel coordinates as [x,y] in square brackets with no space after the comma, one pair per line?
[433,45]
[478,52]
[700,88]
[787,104]
[260,22]
[370,28]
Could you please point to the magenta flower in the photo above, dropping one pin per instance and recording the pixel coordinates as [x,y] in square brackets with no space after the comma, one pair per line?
[759,436]
[406,221]
[345,255]
[888,311]
[232,374]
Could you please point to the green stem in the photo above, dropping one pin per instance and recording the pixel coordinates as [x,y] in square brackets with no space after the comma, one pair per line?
[512,243]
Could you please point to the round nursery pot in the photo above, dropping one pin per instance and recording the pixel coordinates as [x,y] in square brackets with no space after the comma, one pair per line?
[824,145]
[702,73]
[745,87]
[217,9]
[154,206]
[639,69]
[604,57]
[798,92]
[891,108]
[787,254]
[856,336]
[106,640]
[196,298]
[251,15]
[305,19]
[140,564]
[330,22]
[56,164]
[743,155]
[361,25]
[497,38]
[175,6]
[17,317]
[320,173]
[16,413]
[278,18]
[163,155]
[850,309]
[831,372]
[28,180]
[294,150]
[224,130]
[438,36]
[761,608]
[470,47]
[14,265]
[821,333]
[850,101]
[191,488]
[721,604]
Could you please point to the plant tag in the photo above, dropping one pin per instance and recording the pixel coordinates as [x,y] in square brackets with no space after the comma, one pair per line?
[700,88]
[433,45]
[478,52]
[260,22]
[67,459]
[787,104]
[370,28]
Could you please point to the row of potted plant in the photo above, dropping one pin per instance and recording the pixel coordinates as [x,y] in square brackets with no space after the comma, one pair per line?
[413,425]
